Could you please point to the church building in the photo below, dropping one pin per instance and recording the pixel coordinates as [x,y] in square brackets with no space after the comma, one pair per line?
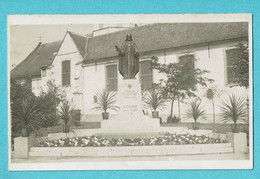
[83,65]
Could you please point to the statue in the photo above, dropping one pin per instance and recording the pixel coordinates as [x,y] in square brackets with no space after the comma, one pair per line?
[128,58]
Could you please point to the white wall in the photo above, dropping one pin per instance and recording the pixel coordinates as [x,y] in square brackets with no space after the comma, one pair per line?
[93,80]
[88,79]
[36,86]
[68,51]
[213,61]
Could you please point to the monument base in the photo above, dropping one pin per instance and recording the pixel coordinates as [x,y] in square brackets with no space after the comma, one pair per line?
[138,125]
[130,118]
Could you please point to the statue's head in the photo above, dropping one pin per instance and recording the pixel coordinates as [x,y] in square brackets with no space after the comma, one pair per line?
[128,37]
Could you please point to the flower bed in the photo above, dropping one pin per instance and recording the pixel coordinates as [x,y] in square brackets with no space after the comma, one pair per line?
[97,141]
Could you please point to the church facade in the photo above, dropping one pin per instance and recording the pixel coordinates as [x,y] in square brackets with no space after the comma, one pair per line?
[83,65]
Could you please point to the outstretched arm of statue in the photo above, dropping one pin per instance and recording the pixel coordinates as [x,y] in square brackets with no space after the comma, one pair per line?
[119,50]
[136,54]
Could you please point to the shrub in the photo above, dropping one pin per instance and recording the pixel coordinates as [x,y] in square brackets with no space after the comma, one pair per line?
[76,115]
[21,96]
[173,119]
[106,100]
[154,99]
[48,102]
[24,117]
[64,114]
[195,111]
[233,109]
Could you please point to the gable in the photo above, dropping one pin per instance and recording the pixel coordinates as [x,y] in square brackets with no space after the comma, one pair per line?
[67,46]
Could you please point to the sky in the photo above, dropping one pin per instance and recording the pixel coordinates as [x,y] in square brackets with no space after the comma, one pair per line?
[24,38]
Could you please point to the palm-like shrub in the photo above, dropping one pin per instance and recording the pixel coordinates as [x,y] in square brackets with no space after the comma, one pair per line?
[24,116]
[154,100]
[105,100]
[65,114]
[195,112]
[233,109]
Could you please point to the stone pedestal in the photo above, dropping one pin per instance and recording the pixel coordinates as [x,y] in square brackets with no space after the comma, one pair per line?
[22,146]
[130,98]
[130,118]
[238,142]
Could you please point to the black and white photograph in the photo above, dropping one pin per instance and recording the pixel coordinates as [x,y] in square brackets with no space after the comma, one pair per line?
[130,92]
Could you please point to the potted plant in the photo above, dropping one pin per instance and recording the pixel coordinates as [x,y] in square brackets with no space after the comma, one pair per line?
[233,109]
[195,112]
[106,100]
[65,114]
[154,100]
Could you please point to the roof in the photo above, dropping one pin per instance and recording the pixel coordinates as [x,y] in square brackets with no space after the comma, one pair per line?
[148,38]
[80,42]
[164,35]
[42,55]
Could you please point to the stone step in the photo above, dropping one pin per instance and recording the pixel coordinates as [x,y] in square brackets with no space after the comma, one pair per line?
[132,151]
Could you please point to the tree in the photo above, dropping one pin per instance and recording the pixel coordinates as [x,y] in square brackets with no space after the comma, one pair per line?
[49,101]
[240,69]
[240,66]
[210,94]
[181,80]
[18,90]
[22,100]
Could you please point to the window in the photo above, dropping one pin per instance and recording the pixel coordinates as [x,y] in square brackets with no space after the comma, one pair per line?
[44,72]
[146,75]
[187,61]
[188,66]
[231,56]
[65,73]
[111,75]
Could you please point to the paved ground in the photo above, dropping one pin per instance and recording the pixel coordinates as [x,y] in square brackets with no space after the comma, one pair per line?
[154,158]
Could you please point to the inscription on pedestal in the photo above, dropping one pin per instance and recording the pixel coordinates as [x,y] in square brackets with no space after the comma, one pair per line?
[129,100]
[130,97]
[130,94]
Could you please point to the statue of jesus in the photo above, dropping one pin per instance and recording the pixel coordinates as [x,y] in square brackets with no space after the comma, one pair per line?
[128,58]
